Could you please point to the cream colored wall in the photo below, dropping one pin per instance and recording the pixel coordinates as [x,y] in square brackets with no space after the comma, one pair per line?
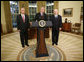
[3,22]
[76,5]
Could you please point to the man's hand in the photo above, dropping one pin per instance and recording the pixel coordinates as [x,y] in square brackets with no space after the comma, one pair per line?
[30,23]
[28,29]
[60,29]
[50,28]
[18,30]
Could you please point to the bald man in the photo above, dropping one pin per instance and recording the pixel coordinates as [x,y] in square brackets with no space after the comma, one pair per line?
[57,24]
[22,26]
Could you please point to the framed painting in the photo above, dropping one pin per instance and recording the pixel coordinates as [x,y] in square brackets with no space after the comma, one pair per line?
[68,12]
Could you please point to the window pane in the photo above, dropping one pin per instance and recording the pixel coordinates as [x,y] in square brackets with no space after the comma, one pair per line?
[49,8]
[14,11]
[32,10]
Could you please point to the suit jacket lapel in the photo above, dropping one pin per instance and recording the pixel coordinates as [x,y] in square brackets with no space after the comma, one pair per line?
[54,17]
[21,17]
[25,18]
[58,17]
[40,14]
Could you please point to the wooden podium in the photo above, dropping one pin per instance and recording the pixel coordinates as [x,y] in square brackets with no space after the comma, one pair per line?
[41,49]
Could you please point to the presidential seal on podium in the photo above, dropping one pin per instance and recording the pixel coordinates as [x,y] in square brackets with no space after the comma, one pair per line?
[42,23]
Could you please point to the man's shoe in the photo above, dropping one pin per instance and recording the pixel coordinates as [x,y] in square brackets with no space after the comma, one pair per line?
[56,43]
[23,46]
[53,44]
[27,45]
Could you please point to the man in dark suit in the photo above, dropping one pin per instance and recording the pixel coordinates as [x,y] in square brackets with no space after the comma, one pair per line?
[22,26]
[40,16]
[57,24]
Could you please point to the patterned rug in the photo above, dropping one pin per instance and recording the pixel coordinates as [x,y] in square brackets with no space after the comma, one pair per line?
[70,46]
[28,54]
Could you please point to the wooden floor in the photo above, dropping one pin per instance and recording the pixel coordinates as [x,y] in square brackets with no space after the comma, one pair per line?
[70,44]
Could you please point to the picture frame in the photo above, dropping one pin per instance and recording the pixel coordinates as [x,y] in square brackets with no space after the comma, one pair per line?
[68,12]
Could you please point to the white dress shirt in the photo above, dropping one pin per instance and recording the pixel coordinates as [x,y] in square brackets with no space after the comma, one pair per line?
[41,14]
[56,16]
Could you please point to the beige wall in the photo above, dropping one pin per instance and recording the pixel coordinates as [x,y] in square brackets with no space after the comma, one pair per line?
[76,5]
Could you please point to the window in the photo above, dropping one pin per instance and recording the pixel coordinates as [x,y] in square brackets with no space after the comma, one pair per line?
[14,11]
[32,10]
[49,8]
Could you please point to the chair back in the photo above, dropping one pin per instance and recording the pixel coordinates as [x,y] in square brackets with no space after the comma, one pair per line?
[77,24]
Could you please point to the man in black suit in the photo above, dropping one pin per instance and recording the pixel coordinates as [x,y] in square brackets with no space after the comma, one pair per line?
[22,26]
[40,16]
[57,24]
